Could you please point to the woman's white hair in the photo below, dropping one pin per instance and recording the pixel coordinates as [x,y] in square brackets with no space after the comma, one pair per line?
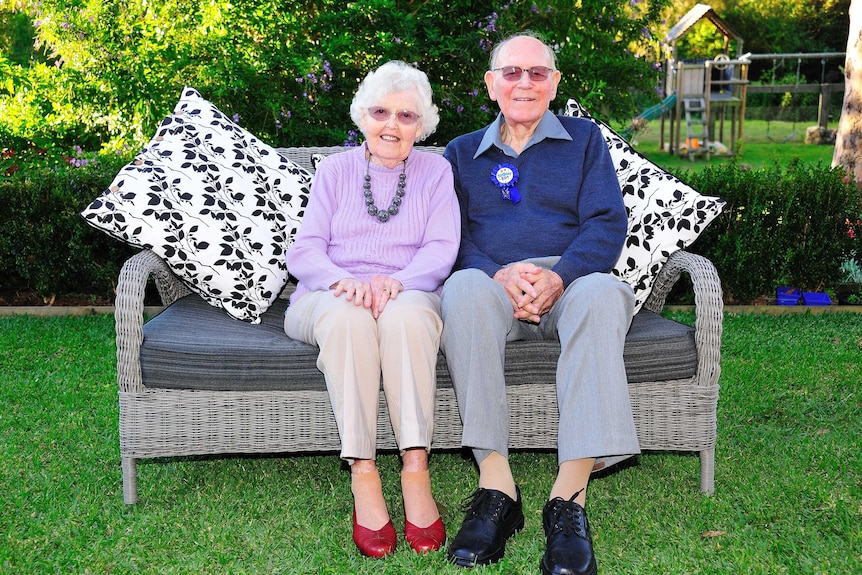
[396,76]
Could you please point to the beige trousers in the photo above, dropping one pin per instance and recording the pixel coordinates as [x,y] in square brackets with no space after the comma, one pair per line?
[356,350]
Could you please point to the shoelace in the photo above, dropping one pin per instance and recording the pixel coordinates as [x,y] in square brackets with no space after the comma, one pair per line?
[479,504]
[568,517]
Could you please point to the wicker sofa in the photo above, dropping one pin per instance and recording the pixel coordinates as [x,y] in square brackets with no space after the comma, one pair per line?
[193,381]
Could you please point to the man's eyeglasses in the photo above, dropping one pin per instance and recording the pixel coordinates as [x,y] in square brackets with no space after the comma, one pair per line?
[514,73]
[403,117]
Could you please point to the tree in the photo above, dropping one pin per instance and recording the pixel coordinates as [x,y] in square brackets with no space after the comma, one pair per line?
[848,141]
[286,69]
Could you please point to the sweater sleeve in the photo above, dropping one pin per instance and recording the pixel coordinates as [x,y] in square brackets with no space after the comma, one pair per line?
[603,220]
[308,258]
[470,255]
[435,256]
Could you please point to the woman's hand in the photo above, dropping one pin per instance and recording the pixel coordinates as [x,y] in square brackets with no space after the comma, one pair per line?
[383,288]
[354,290]
[373,295]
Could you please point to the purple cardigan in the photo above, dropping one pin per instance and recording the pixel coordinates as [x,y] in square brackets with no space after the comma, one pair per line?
[339,239]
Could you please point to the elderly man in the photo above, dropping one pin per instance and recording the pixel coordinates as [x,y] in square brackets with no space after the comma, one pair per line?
[543,223]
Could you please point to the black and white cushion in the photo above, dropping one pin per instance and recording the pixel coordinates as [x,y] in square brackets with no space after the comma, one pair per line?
[665,214]
[220,206]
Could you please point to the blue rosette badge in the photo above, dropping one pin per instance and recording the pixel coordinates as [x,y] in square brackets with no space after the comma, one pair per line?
[505,176]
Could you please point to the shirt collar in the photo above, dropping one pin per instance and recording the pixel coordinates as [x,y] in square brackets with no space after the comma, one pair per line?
[549,127]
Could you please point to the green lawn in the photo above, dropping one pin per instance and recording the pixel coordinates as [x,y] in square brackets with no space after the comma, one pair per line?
[762,143]
[787,500]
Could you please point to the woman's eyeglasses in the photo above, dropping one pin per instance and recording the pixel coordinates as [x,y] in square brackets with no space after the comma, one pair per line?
[403,117]
[514,73]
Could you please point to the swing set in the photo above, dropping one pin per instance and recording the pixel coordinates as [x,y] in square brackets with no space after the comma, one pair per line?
[711,91]
[793,91]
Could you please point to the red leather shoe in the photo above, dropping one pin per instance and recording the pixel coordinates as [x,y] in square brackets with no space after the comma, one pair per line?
[377,544]
[425,539]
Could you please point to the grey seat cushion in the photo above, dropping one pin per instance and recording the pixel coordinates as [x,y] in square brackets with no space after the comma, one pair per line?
[193,345]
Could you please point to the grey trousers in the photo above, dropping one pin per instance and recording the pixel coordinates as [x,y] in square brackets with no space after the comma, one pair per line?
[590,320]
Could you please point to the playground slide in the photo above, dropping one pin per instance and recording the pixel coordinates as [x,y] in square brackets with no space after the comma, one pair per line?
[650,113]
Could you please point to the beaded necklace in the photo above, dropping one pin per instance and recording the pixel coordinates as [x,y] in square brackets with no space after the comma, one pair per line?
[384,215]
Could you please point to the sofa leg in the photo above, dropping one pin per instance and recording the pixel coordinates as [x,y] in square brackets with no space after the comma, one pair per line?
[707,471]
[130,480]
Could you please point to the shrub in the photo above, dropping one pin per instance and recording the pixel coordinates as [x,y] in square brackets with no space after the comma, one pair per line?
[105,73]
[46,246]
[783,225]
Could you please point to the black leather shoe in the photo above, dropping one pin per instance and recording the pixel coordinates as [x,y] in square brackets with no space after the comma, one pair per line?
[491,518]
[569,547]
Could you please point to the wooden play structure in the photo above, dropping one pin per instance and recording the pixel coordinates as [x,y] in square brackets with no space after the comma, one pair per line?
[709,92]
[704,99]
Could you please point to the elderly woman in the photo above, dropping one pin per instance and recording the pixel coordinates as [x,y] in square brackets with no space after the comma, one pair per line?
[378,239]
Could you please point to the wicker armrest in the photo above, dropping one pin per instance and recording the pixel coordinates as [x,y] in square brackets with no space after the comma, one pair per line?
[129,311]
[709,307]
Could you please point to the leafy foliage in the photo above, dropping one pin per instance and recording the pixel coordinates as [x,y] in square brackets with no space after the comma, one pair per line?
[287,71]
[45,245]
[783,225]
[102,74]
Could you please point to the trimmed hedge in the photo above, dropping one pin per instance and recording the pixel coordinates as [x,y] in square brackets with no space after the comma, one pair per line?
[783,225]
[46,246]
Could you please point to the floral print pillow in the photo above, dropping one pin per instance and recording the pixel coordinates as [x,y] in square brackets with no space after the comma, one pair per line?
[665,214]
[217,204]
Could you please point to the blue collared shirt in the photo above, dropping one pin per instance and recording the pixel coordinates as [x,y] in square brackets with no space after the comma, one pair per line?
[549,127]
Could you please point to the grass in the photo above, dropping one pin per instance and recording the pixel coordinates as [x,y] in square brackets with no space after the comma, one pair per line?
[787,500]
[762,144]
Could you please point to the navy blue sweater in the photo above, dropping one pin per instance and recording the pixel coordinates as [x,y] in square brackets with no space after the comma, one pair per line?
[571,204]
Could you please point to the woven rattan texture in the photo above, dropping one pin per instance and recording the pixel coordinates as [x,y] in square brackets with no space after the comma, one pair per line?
[669,415]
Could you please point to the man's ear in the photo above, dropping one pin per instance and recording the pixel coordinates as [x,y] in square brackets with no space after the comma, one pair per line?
[556,79]
[489,83]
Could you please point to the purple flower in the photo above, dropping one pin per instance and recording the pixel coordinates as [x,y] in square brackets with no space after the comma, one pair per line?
[352,139]
[235,118]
